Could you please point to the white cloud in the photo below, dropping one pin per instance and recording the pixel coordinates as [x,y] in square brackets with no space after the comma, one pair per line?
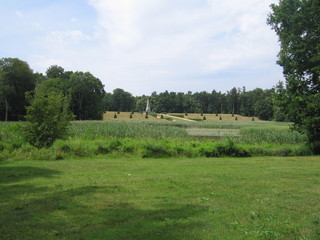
[166,39]
[147,45]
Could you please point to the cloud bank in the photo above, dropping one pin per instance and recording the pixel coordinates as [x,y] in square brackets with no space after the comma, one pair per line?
[156,45]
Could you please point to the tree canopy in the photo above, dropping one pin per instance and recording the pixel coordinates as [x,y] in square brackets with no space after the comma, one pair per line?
[16,78]
[297,24]
[87,94]
[54,71]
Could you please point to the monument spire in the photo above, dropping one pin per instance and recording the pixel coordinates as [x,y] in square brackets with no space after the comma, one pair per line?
[148,110]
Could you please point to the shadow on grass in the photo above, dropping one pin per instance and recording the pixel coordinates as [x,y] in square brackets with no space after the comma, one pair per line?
[16,174]
[90,212]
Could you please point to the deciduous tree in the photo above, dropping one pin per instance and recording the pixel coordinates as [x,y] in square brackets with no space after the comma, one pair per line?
[16,78]
[297,24]
[87,95]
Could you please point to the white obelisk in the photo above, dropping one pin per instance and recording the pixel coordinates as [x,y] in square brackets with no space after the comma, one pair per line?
[148,110]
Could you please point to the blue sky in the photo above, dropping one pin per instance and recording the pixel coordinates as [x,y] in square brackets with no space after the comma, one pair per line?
[147,45]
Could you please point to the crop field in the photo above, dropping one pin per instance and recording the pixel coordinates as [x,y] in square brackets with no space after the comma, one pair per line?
[259,198]
[162,138]
[218,117]
[113,116]
[171,117]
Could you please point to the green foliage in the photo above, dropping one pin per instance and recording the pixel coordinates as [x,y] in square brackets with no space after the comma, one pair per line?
[125,129]
[154,139]
[121,101]
[16,78]
[227,148]
[87,94]
[54,71]
[11,138]
[47,118]
[276,135]
[296,23]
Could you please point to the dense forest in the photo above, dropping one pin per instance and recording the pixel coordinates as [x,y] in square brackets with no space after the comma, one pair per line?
[88,100]
[258,102]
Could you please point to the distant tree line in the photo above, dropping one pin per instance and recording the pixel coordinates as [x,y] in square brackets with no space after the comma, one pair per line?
[258,102]
[88,100]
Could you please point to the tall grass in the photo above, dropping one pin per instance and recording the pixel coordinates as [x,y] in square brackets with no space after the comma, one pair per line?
[258,135]
[223,125]
[154,139]
[11,136]
[125,129]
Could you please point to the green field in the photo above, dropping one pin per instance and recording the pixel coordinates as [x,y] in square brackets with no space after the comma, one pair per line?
[159,139]
[143,179]
[134,198]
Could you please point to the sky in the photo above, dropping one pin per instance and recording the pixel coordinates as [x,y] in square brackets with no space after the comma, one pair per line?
[144,46]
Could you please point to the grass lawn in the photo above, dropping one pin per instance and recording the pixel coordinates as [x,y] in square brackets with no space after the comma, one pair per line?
[132,198]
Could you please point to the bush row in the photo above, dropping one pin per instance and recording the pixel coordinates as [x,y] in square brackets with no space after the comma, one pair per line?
[78,148]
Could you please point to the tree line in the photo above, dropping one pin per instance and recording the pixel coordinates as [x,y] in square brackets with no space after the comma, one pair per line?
[87,99]
[84,92]
[258,102]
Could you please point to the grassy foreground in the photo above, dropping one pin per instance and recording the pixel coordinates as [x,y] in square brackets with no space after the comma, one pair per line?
[134,198]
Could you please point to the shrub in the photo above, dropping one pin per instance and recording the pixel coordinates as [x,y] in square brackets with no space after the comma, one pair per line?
[230,149]
[47,118]
[157,150]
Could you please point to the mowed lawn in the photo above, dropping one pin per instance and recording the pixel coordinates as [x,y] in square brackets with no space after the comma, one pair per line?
[132,198]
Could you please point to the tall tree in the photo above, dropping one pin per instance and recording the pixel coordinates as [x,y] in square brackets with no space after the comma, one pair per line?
[16,78]
[87,95]
[279,100]
[54,71]
[122,100]
[297,24]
